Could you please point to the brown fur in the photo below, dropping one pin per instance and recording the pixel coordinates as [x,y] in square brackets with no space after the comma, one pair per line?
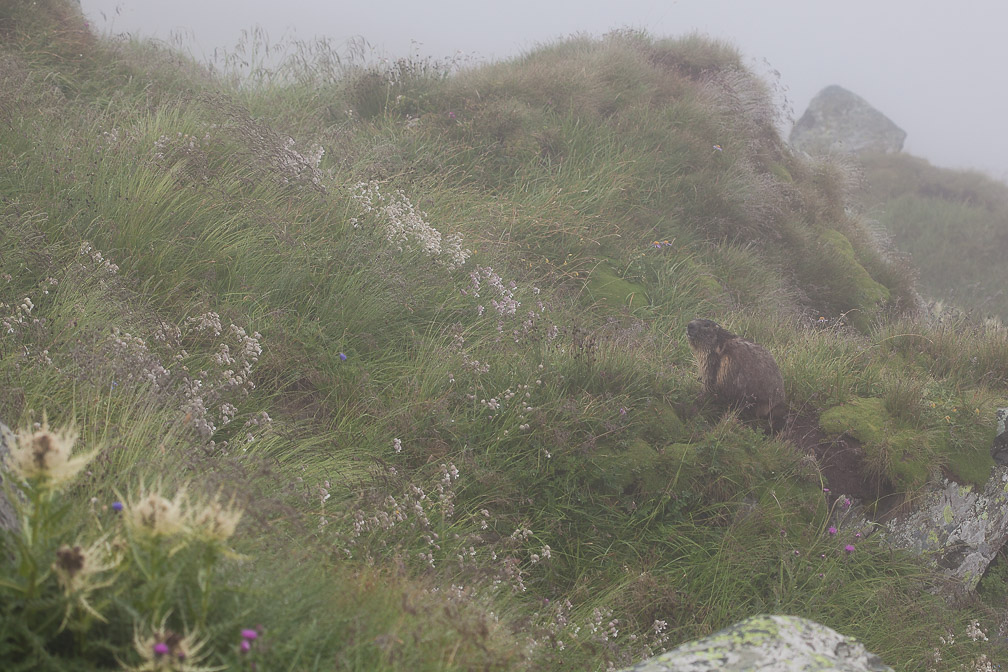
[737,371]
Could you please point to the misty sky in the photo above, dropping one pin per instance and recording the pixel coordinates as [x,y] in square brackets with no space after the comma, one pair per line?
[937,69]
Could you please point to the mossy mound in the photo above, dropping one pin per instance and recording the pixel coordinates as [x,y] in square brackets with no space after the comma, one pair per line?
[851,279]
[605,285]
[903,454]
[663,425]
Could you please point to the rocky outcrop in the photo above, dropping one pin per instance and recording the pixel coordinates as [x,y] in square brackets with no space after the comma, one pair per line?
[780,643]
[8,519]
[958,528]
[999,451]
[840,121]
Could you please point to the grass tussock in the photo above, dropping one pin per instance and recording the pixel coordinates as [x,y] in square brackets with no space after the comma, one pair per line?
[402,344]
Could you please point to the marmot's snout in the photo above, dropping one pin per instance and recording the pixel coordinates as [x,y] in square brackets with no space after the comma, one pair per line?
[697,327]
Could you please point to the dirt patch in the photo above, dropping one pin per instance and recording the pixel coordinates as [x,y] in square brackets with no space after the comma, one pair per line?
[842,463]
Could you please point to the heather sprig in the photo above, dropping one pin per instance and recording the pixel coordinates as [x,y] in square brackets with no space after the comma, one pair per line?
[404,225]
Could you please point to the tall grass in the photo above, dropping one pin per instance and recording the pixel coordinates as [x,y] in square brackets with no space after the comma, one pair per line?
[433,349]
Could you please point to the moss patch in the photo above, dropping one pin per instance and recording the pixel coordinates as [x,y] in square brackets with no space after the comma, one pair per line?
[663,425]
[971,465]
[605,286]
[903,454]
[848,278]
[862,418]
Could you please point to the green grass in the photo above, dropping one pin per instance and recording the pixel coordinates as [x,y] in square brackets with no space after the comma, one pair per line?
[953,225]
[492,463]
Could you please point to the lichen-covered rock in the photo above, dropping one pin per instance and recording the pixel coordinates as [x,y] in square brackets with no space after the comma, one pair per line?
[779,643]
[999,450]
[838,120]
[8,519]
[958,528]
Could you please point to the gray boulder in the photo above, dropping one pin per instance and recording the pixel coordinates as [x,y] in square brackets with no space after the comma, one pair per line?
[8,519]
[957,528]
[999,450]
[779,643]
[840,121]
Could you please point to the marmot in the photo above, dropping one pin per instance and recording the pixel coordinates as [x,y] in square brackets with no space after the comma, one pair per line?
[737,371]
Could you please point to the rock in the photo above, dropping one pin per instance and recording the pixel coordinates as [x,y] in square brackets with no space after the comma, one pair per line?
[999,451]
[838,120]
[957,528]
[779,643]
[8,518]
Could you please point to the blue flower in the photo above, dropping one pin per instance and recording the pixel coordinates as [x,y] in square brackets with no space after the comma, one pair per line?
[342,357]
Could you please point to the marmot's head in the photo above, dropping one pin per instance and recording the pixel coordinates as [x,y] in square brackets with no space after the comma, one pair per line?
[703,334]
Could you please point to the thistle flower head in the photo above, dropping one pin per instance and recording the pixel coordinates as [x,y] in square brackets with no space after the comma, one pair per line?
[153,515]
[217,521]
[77,571]
[44,456]
[164,649]
[75,566]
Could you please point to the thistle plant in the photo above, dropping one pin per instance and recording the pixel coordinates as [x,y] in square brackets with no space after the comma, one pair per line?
[161,648]
[39,462]
[73,588]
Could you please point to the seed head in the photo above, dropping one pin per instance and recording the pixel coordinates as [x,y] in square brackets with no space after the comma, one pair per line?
[153,515]
[43,456]
[164,649]
[217,521]
[77,571]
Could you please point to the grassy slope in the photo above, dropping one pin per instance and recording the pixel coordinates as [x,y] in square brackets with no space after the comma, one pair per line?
[953,223]
[549,371]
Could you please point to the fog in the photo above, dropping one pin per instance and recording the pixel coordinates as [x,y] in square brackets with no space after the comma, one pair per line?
[935,68]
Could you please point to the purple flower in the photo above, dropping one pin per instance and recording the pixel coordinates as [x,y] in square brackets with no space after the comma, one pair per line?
[249,633]
[826,490]
[857,534]
[117,506]
[245,646]
[831,530]
[342,357]
[160,649]
[797,552]
[846,503]
[451,115]
[849,548]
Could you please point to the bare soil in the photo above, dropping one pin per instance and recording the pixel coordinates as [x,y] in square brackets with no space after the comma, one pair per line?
[843,465]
